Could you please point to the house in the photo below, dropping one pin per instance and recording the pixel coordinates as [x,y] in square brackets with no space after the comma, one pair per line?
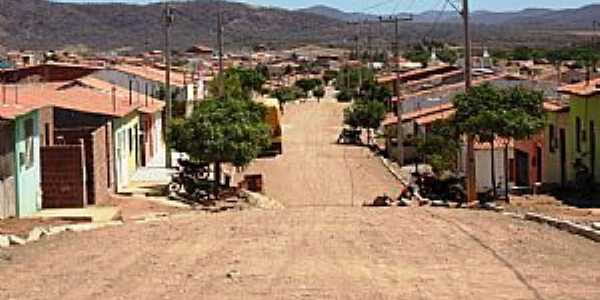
[20,192]
[582,132]
[187,88]
[200,51]
[556,155]
[414,123]
[104,136]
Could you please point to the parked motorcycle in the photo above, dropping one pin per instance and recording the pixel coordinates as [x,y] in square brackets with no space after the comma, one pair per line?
[192,178]
[449,187]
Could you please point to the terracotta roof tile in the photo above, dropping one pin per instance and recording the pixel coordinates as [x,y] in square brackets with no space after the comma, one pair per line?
[584,89]
[72,97]
[151,73]
[442,115]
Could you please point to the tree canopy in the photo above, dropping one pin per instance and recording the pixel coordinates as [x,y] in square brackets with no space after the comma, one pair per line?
[240,83]
[440,146]
[285,94]
[308,84]
[365,115]
[220,131]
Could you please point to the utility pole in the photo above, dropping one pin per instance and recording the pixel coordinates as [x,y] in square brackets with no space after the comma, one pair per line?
[169,18]
[471,169]
[220,42]
[399,109]
[470,163]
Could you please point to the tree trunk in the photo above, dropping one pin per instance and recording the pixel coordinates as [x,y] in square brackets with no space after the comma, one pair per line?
[506,175]
[493,156]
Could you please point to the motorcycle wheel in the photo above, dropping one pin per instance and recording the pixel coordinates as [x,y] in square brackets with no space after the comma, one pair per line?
[174,187]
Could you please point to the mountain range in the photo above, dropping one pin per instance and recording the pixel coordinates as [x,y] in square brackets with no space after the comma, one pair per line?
[578,18]
[43,24]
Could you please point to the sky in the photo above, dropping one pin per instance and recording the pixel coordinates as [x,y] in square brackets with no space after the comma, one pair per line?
[392,6]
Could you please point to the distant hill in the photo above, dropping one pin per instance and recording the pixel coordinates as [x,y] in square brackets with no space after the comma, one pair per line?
[41,24]
[570,18]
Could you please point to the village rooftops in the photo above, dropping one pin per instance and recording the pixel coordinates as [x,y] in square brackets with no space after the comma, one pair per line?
[152,73]
[583,89]
[69,95]
[10,111]
[437,111]
[556,106]
[417,74]
[148,104]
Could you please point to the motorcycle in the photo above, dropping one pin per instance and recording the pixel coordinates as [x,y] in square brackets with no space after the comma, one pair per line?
[193,178]
[449,187]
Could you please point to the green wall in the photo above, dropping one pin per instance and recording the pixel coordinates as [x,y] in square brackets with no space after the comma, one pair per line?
[588,110]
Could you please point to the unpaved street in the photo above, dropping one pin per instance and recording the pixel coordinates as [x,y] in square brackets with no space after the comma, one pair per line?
[324,245]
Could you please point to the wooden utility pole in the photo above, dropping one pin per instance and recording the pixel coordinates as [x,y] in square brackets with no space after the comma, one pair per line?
[169,18]
[470,163]
[220,42]
[471,168]
[399,109]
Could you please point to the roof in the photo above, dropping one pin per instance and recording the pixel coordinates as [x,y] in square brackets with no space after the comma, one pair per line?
[12,111]
[428,119]
[151,73]
[422,114]
[148,104]
[71,96]
[556,106]
[584,89]
[416,73]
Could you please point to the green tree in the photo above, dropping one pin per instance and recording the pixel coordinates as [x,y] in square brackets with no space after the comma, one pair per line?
[365,115]
[329,75]
[440,146]
[307,85]
[222,131]
[352,78]
[263,70]
[345,95]
[239,83]
[232,86]
[556,58]
[489,112]
[371,91]
[319,93]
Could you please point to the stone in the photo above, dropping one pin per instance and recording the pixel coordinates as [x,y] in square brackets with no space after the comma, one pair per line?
[15,240]
[438,203]
[233,274]
[35,234]
[596,225]
[4,241]
[56,230]
[82,227]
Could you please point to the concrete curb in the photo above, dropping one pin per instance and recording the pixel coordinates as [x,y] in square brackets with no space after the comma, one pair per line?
[592,233]
[563,225]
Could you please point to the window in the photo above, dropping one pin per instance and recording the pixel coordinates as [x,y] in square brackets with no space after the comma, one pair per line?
[27,158]
[578,134]
[551,138]
[130,139]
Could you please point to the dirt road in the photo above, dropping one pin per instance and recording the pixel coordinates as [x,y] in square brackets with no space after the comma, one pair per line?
[319,247]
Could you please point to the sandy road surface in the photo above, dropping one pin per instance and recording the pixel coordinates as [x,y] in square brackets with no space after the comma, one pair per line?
[320,247]
[314,170]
